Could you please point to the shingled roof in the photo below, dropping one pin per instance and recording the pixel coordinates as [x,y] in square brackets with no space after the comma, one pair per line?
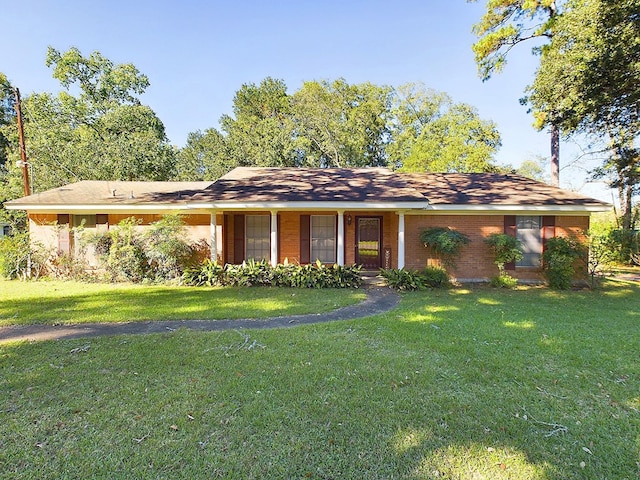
[251,187]
[310,185]
[492,189]
[112,193]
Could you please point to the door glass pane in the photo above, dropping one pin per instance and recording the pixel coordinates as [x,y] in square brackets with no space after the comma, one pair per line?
[369,242]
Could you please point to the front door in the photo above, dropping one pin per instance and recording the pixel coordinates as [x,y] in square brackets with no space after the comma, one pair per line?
[368,241]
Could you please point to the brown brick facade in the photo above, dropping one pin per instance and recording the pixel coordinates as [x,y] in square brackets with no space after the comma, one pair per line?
[475,262]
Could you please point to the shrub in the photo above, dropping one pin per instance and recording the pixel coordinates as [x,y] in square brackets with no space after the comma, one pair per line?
[435,277]
[165,249]
[504,281]
[445,242]
[126,260]
[19,258]
[207,274]
[505,249]
[261,273]
[559,259]
[408,280]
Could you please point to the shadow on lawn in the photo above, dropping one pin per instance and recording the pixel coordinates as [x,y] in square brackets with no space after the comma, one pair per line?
[511,384]
[165,304]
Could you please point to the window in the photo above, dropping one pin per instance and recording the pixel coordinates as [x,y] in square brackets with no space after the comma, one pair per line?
[86,221]
[529,232]
[257,237]
[323,238]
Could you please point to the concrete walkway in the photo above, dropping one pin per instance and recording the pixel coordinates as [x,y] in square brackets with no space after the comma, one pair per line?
[379,300]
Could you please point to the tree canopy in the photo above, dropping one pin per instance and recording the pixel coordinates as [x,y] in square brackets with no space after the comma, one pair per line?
[432,133]
[588,81]
[505,24]
[337,124]
[96,128]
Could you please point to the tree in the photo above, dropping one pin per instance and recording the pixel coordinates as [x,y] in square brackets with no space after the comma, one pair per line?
[7,116]
[505,24]
[342,125]
[204,157]
[101,132]
[261,131]
[589,77]
[432,133]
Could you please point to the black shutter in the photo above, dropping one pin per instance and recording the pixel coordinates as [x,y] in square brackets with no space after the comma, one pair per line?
[305,238]
[238,238]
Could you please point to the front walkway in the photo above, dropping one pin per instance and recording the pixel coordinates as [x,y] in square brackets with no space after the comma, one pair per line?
[379,300]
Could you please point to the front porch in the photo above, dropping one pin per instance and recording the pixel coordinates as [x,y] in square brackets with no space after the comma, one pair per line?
[373,239]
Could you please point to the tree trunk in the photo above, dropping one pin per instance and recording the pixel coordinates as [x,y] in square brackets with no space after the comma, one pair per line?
[555,156]
[626,206]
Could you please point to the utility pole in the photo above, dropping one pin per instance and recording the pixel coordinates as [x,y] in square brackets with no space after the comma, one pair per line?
[23,150]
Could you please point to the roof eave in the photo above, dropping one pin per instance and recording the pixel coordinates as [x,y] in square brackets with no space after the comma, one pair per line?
[452,208]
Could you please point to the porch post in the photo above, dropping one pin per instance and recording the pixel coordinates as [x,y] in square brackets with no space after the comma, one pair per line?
[340,246]
[400,240]
[213,238]
[274,238]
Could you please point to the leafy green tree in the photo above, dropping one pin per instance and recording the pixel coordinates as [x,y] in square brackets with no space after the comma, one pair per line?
[505,24]
[261,131]
[7,117]
[588,78]
[432,133]
[342,125]
[204,157]
[101,132]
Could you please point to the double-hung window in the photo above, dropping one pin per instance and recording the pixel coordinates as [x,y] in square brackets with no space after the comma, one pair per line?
[323,238]
[529,232]
[257,237]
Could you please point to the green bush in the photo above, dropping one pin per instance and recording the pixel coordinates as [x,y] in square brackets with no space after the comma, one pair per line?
[261,273]
[21,259]
[14,251]
[445,242]
[435,277]
[408,280]
[559,261]
[159,253]
[207,274]
[165,249]
[504,281]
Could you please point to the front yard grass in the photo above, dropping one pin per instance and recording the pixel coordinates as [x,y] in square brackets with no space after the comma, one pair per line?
[458,384]
[55,302]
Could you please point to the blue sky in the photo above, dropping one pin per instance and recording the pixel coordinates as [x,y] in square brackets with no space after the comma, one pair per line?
[197,54]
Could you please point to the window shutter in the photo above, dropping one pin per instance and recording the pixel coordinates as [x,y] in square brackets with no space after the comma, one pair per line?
[305,238]
[225,238]
[279,237]
[510,229]
[548,229]
[238,238]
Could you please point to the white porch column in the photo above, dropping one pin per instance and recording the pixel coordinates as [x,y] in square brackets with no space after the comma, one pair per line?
[400,240]
[213,238]
[274,238]
[340,246]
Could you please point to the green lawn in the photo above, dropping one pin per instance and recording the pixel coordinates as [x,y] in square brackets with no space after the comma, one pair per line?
[72,302]
[459,384]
